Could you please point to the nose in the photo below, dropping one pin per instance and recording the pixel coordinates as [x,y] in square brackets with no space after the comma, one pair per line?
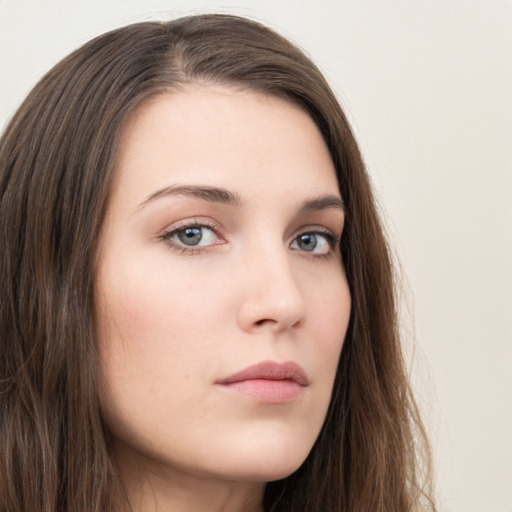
[271,296]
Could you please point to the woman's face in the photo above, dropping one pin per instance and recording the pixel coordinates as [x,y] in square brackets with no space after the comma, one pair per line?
[222,299]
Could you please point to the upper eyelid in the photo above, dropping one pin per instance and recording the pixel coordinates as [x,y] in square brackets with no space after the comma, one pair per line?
[214,225]
[166,236]
[331,238]
[192,222]
[317,229]
[219,230]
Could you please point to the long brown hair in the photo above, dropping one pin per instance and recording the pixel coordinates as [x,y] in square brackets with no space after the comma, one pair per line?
[56,165]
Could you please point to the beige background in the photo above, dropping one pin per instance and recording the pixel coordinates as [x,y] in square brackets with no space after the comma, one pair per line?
[428,87]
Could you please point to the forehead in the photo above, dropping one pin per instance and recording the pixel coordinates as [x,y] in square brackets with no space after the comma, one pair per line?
[220,136]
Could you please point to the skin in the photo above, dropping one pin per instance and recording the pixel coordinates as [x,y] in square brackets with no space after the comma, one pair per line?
[175,318]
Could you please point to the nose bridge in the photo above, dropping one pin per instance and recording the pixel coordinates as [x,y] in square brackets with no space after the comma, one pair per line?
[272,295]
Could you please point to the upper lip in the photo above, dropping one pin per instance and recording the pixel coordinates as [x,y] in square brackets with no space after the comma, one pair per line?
[269,370]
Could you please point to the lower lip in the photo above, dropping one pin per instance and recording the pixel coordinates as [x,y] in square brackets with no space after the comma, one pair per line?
[267,391]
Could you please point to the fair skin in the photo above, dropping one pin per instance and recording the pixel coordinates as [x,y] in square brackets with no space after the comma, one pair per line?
[218,253]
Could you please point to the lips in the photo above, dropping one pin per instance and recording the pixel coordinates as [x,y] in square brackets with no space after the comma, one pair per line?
[268,382]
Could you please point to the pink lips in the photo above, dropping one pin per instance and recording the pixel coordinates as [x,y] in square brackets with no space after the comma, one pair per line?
[268,382]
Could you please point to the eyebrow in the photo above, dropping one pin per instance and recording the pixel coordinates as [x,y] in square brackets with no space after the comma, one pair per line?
[324,202]
[223,196]
[207,193]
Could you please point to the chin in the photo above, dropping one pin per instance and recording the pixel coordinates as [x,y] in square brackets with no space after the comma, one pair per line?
[266,464]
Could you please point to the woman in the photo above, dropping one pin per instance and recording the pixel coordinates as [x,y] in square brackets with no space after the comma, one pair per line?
[197,305]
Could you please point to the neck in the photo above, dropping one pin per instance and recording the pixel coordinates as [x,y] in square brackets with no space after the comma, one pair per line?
[157,489]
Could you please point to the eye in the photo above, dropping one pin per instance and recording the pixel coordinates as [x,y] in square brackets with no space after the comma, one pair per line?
[318,243]
[191,236]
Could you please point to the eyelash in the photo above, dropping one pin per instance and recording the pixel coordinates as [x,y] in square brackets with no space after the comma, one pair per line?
[166,237]
[331,239]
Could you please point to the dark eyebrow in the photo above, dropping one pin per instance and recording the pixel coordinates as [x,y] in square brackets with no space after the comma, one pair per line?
[207,193]
[322,203]
[221,195]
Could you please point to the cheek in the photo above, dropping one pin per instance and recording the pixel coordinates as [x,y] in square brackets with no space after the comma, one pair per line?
[329,312]
[155,306]
[152,337]
[135,331]
[148,345]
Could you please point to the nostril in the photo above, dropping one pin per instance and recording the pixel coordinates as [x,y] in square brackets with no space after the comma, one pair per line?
[269,321]
[264,320]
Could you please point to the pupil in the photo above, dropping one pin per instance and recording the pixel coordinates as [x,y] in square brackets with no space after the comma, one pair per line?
[308,242]
[190,236]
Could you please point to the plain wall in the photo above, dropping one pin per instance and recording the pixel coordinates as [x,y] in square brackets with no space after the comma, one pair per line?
[428,88]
